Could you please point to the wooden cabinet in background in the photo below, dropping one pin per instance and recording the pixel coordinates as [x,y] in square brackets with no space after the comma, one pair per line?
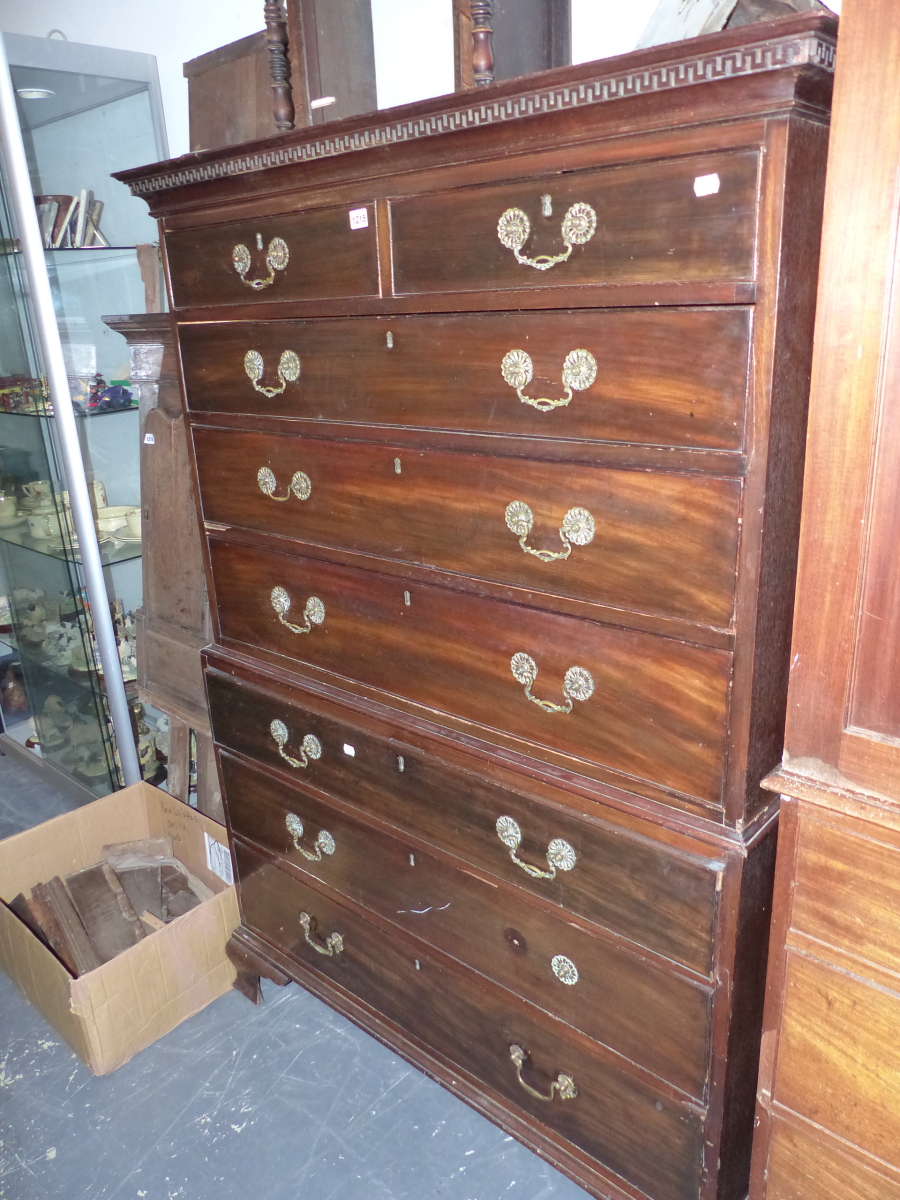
[829,1098]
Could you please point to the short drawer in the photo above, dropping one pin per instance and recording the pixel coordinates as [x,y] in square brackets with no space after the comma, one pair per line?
[688,220]
[838,1055]
[673,376]
[651,894]
[649,1140]
[588,981]
[645,706]
[654,542]
[847,892]
[311,255]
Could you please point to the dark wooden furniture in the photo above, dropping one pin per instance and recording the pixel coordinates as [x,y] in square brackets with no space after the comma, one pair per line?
[509,38]
[829,1098]
[497,407]
[173,624]
[230,94]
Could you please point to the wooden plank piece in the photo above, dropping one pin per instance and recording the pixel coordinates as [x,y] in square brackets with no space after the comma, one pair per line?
[158,847]
[180,892]
[65,931]
[21,906]
[107,913]
[143,887]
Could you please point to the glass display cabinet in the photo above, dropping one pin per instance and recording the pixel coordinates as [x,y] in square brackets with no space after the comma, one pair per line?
[84,112]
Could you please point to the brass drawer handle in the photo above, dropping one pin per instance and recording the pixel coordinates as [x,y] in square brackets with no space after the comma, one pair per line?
[314,611]
[560,855]
[277,258]
[288,371]
[310,747]
[578,683]
[577,529]
[578,373]
[300,485]
[324,840]
[563,1085]
[578,227]
[564,969]
[334,943]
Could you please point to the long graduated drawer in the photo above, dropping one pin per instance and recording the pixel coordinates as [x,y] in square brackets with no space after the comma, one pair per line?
[646,891]
[662,377]
[652,1141]
[654,542]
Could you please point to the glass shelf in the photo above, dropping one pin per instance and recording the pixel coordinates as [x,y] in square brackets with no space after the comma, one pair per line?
[7,249]
[37,658]
[110,554]
[79,416]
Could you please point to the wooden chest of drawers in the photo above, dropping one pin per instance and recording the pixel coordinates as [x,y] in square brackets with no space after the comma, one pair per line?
[497,407]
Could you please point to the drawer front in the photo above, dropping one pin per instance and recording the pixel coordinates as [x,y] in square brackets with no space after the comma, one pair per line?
[648,893]
[639,223]
[591,983]
[663,376]
[312,255]
[804,1165]
[847,892]
[653,1143]
[839,1057]
[658,543]
[645,706]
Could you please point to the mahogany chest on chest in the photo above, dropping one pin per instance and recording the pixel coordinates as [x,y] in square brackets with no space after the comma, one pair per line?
[497,409]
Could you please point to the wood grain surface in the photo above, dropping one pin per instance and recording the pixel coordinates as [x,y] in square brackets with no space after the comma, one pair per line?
[326,259]
[657,712]
[617,996]
[645,891]
[643,1136]
[663,544]
[664,377]
[651,226]
[838,1058]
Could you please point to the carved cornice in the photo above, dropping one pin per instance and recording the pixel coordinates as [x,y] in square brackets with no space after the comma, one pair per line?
[815,48]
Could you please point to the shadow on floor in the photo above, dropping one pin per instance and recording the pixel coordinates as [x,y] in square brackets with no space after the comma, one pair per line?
[288,1101]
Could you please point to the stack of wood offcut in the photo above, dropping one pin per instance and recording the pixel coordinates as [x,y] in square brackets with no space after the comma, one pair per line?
[94,914]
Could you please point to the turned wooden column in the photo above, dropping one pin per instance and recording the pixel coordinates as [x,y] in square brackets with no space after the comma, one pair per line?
[279,67]
[482,49]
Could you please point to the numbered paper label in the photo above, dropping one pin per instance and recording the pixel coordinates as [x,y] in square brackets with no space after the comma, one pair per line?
[359,218]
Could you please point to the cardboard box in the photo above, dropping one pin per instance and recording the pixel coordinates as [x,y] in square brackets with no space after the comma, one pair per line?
[109,1014]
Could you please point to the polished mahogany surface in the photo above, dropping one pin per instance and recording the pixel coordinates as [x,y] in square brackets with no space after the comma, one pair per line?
[497,412]
[657,896]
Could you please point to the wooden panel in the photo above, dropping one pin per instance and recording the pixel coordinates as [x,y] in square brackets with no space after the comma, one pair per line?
[667,377]
[332,53]
[650,227]
[875,699]
[660,543]
[170,671]
[616,996]
[230,94]
[838,1055]
[657,897]
[847,892]
[853,393]
[652,1142]
[658,706]
[530,36]
[326,258]
[803,1164]
[174,584]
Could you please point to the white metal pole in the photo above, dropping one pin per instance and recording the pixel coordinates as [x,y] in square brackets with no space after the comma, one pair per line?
[66,427]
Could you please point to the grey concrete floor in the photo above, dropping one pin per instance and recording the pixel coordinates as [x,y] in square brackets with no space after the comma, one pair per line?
[288,1101]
